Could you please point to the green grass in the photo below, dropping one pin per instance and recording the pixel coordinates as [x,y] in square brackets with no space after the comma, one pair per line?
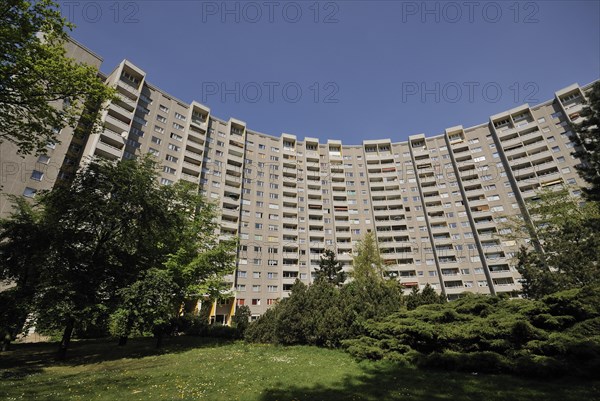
[189,368]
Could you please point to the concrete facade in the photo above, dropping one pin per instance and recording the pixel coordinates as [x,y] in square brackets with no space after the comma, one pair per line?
[435,203]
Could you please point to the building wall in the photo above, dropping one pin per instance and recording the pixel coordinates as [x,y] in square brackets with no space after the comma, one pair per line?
[436,204]
[28,174]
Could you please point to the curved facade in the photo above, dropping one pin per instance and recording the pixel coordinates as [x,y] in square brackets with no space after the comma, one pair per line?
[435,203]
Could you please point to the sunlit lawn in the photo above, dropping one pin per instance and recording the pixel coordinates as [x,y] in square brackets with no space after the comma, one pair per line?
[189,368]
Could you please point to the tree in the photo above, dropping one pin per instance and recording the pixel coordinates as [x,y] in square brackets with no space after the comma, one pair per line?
[367,262]
[100,235]
[149,305]
[428,296]
[564,232]
[241,319]
[41,90]
[589,142]
[22,242]
[330,269]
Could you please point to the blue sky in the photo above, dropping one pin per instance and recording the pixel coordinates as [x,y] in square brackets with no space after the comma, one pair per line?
[349,70]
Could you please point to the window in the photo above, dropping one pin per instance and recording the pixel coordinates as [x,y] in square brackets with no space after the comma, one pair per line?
[180,116]
[44,159]
[29,192]
[176,137]
[37,175]
[161,118]
[174,147]
[169,170]
[171,158]
[166,181]
[178,126]
[255,301]
[163,108]
[272,288]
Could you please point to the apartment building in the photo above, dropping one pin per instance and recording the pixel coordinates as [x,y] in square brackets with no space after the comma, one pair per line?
[28,174]
[435,203]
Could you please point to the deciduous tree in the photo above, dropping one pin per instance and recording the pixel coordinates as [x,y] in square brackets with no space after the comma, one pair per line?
[41,89]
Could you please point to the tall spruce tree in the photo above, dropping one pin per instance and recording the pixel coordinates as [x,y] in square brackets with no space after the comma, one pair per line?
[330,269]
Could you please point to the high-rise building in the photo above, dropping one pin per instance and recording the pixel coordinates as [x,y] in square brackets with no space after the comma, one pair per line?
[436,203]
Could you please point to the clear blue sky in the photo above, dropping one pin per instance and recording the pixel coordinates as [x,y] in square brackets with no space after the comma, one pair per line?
[366,69]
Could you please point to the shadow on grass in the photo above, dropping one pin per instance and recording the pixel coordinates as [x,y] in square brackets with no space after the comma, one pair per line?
[25,359]
[386,381]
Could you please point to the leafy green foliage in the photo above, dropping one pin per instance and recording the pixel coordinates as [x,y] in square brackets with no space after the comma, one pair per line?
[555,335]
[41,90]
[148,305]
[241,319]
[427,296]
[325,313]
[589,142]
[566,244]
[330,269]
[368,262]
[85,243]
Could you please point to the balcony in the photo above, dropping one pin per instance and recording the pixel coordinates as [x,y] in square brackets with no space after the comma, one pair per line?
[112,138]
[115,124]
[107,151]
[195,137]
[505,131]
[193,155]
[128,90]
[192,166]
[120,110]
[478,202]
[197,122]
[455,284]
[229,224]
[231,213]
[189,178]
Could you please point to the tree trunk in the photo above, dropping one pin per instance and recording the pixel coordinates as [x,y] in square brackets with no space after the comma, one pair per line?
[66,339]
[122,340]
[6,342]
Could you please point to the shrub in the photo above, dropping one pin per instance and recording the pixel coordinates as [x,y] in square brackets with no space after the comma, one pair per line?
[221,331]
[192,324]
[538,366]
[241,319]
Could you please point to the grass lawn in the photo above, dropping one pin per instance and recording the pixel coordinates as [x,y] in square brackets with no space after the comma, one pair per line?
[190,368]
